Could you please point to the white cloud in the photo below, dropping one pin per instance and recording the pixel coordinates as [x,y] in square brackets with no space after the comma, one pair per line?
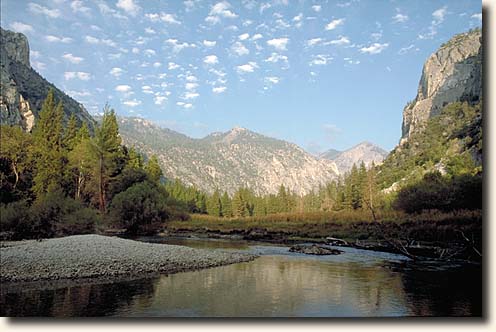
[150,31]
[147,89]
[72,59]
[407,49]
[439,15]
[247,68]
[55,39]
[172,66]
[222,9]
[159,100]
[276,57]
[191,78]
[164,17]
[316,8]
[69,75]
[477,16]
[123,88]
[38,65]
[191,95]
[400,18]
[239,49]
[77,6]
[298,17]
[211,59]
[129,6]
[132,103]
[256,36]
[320,60]
[21,27]
[341,41]
[244,36]
[272,79]
[191,86]
[96,41]
[184,105]
[375,48]
[157,64]
[178,46]
[219,89]
[149,52]
[334,24]
[37,9]
[314,41]
[209,43]
[278,43]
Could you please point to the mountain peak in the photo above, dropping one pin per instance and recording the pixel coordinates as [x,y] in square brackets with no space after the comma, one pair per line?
[365,152]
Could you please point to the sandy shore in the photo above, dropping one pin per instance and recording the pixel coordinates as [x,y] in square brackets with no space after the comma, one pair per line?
[96,256]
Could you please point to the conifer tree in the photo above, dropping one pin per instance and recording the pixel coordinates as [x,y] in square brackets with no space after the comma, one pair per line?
[70,133]
[153,169]
[106,151]
[238,204]
[226,205]
[214,206]
[48,153]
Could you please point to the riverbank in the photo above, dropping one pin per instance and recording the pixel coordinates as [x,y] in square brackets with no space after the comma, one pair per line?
[96,256]
[429,234]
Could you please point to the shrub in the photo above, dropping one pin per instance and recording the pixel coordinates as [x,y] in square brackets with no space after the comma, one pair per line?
[55,214]
[15,221]
[141,209]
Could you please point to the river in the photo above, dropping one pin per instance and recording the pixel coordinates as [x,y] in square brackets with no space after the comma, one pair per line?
[357,283]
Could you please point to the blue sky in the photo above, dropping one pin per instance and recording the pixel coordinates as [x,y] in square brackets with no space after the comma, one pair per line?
[321,74]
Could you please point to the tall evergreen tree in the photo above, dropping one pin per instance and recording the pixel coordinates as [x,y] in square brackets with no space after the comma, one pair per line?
[106,151]
[70,133]
[48,150]
[226,205]
[238,204]
[214,205]
[153,169]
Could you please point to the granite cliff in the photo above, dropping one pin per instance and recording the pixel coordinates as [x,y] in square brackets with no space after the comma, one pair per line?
[452,73]
[23,90]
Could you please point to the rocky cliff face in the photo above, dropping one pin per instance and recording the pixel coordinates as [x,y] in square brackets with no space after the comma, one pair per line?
[230,160]
[23,90]
[453,73]
[365,152]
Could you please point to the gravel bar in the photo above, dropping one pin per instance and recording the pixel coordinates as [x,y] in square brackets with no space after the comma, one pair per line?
[96,256]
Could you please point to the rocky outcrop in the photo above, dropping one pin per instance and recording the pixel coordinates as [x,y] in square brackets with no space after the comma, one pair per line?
[453,73]
[230,160]
[23,90]
[314,250]
[365,152]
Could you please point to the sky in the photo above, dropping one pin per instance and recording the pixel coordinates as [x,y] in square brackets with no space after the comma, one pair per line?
[321,74]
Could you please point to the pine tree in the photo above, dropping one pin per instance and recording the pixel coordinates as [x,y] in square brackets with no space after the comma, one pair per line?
[15,148]
[70,133]
[214,206]
[106,151]
[48,153]
[226,205]
[153,169]
[134,159]
[239,204]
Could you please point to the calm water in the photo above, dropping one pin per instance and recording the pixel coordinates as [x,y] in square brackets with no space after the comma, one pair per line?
[279,283]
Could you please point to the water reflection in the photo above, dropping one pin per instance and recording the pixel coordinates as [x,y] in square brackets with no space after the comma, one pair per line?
[272,285]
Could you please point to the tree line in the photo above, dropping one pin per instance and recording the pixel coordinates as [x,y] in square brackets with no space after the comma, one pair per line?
[62,180]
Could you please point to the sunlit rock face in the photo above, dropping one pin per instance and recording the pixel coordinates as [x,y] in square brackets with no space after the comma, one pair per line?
[230,160]
[23,90]
[453,73]
[365,152]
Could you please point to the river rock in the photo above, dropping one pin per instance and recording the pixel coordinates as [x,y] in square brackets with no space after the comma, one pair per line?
[314,250]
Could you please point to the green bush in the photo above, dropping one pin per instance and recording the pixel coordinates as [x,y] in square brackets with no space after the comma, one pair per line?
[15,221]
[141,209]
[54,214]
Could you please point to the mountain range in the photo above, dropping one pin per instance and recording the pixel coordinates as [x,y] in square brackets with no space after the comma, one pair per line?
[242,158]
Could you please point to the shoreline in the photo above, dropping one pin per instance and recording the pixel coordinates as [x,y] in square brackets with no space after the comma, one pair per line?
[93,257]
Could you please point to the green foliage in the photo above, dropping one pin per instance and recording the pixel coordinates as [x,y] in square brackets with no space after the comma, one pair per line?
[15,221]
[15,164]
[141,209]
[153,169]
[441,193]
[48,152]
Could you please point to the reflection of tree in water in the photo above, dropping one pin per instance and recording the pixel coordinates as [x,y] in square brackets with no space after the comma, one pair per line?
[456,291]
[84,300]
[278,287]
